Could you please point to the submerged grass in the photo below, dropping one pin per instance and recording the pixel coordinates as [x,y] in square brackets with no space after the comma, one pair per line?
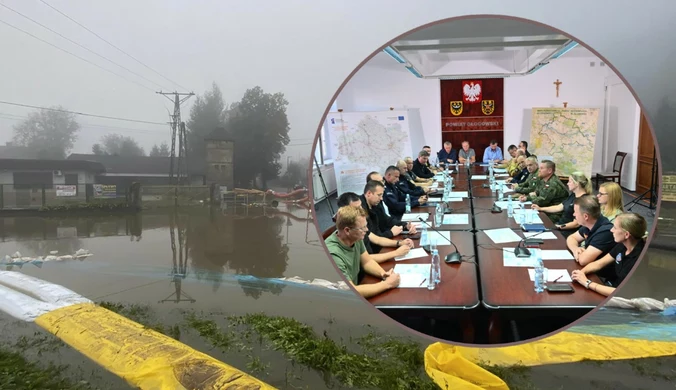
[383,363]
[18,373]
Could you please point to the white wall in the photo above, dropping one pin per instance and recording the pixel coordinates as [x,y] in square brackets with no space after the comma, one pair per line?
[582,86]
[623,116]
[6,178]
[379,88]
[374,89]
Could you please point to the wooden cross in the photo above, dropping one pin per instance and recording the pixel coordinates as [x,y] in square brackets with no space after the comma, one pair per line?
[557,83]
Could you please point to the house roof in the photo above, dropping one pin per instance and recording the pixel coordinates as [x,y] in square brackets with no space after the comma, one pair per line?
[22,164]
[139,165]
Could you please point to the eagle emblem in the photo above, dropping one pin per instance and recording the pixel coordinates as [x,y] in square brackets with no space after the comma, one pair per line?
[471,91]
[456,107]
[487,106]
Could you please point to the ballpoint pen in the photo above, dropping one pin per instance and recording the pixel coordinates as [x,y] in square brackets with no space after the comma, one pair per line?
[421,283]
[557,279]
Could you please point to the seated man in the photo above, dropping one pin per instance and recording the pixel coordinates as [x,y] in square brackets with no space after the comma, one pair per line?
[523,173]
[511,164]
[388,225]
[406,185]
[429,165]
[346,246]
[549,189]
[594,230]
[394,198]
[447,155]
[627,232]
[373,241]
[529,184]
[466,153]
[418,180]
[493,153]
[420,167]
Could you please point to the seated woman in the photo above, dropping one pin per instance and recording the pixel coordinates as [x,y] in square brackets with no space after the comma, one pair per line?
[610,199]
[562,214]
[613,268]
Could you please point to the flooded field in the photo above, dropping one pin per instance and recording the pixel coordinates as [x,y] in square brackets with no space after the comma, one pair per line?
[207,278]
[212,266]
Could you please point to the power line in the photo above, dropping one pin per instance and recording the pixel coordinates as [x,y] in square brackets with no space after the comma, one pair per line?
[75,55]
[82,46]
[91,126]
[83,114]
[120,50]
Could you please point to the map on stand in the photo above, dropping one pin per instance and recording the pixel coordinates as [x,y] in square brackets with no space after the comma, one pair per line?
[568,135]
[362,142]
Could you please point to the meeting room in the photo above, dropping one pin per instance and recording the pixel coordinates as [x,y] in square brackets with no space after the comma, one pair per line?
[485,181]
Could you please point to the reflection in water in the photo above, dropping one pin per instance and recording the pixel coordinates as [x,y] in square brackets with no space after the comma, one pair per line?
[202,244]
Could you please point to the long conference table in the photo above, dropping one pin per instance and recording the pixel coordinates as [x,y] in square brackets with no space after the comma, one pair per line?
[480,300]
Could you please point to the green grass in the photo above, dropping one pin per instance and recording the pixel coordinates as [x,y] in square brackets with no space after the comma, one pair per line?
[18,373]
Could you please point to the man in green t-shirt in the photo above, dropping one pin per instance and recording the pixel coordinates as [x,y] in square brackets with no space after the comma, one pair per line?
[346,246]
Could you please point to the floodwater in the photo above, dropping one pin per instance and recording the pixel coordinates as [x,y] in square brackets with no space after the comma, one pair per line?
[227,258]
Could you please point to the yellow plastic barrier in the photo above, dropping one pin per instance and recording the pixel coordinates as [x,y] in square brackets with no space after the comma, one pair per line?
[458,366]
[450,370]
[143,357]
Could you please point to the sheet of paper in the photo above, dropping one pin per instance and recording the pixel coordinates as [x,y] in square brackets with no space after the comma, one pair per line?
[412,281]
[456,219]
[453,199]
[440,238]
[501,236]
[510,260]
[556,254]
[500,170]
[501,182]
[435,185]
[479,177]
[502,175]
[458,194]
[414,253]
[433,200]
[503,204]
[552,275]
[544,236]
[414,217]
[413,275]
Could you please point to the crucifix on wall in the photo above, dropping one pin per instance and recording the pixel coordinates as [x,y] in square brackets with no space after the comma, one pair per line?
[557,83]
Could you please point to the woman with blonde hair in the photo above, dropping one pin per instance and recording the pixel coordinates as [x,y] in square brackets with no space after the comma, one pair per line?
[628,230]
[562,213]
[610,199]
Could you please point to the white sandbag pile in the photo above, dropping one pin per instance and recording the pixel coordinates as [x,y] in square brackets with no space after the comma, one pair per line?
[17,259]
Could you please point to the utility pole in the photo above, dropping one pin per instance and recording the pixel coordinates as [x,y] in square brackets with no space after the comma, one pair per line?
[179,167]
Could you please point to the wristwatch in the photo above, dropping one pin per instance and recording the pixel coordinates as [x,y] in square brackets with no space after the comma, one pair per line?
[398,243]
[586,285]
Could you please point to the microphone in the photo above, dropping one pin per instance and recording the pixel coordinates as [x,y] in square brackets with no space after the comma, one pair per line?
[450,258]
[521,251]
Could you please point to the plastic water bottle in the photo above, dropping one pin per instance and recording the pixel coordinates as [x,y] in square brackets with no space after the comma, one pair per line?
[424,238]
[510,207]
[439,215]
[408,203]
[431,279]
[490,169]
[539,277]
[499,191]
[436,266]
[450,182]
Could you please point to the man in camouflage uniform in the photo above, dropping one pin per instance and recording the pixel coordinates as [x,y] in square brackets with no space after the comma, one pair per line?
[549,190]
[528,185]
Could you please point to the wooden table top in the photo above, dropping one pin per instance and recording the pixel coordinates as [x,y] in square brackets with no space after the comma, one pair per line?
[458,288]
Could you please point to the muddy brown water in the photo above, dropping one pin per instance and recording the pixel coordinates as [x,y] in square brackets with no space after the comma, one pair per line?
[227,259]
